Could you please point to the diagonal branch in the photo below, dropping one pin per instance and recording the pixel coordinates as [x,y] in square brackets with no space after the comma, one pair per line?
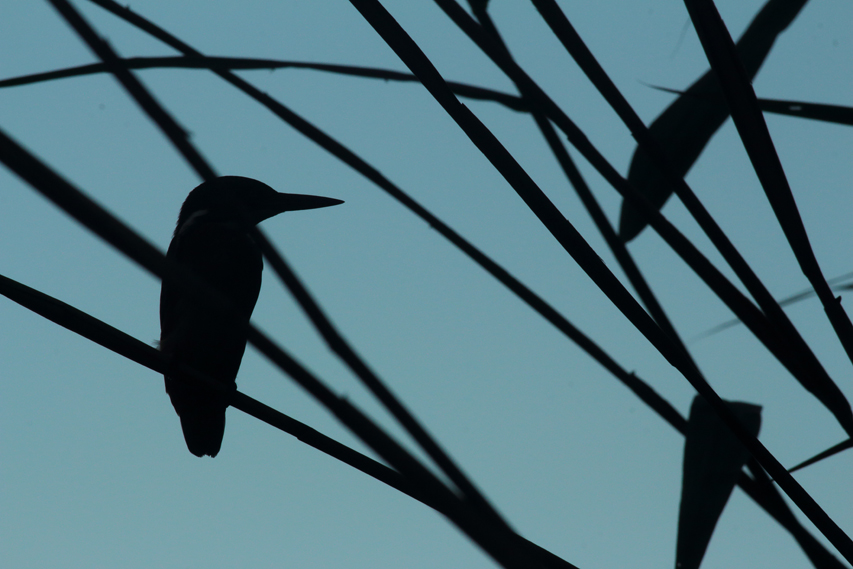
[123,344]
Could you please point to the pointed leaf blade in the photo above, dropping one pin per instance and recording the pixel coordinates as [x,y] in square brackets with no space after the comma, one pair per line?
[686,126]
[713,459]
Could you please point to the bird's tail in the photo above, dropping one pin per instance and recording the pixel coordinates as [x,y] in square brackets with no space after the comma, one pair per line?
[202,413]
[204,427]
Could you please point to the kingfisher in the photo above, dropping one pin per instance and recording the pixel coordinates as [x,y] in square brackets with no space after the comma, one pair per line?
[213,240]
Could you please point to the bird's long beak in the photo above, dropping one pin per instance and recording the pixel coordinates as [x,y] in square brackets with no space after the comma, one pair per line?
[281,203]
[293,202]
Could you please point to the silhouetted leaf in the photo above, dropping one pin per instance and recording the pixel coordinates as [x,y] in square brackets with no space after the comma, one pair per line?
[713,459]
[686,126]
[793,299]
[815,111]
[831,451]
[761,488]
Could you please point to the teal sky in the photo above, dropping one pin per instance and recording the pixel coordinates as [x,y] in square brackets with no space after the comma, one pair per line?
[94,471]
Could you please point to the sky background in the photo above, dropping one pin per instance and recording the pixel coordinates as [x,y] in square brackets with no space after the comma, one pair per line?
[94,471]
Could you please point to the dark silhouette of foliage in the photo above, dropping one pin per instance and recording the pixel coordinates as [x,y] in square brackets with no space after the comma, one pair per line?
[212,272]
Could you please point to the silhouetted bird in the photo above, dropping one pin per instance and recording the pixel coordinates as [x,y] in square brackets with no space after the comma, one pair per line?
[212,239]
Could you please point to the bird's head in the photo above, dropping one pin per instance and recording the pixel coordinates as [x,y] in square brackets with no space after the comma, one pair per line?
[235,198]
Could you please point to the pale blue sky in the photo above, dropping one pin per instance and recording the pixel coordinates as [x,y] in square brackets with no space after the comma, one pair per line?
[94,471]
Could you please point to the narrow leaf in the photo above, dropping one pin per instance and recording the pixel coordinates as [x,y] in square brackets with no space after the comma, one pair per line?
[815,111]
[686,126]
[831,451]
[793,299]
[713,459]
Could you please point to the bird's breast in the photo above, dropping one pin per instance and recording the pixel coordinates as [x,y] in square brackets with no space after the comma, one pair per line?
[210,336]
